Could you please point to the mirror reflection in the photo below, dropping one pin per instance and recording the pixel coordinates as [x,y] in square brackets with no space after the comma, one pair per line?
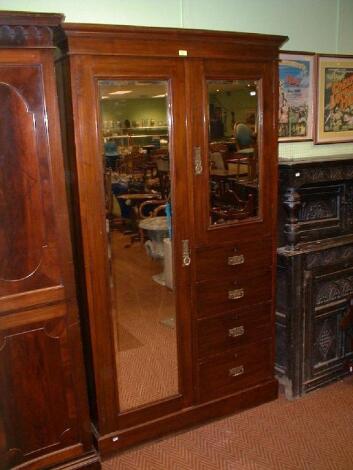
[135,148]
[233,154]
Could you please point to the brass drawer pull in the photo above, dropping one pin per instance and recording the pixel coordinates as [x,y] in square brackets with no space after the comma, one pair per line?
[235,371]
[237,331]
[236,259]
[236,294]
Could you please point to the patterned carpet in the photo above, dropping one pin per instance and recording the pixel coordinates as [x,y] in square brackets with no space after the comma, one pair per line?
[314,433]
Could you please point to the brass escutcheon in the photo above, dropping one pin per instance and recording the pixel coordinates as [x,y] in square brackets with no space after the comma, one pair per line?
[235,371]
[237,331]
[236,294]
[236,259]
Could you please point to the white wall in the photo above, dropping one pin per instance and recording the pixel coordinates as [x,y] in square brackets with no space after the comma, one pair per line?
[324,26]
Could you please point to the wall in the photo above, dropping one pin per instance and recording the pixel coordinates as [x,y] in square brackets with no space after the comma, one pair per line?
[240,102]
[323,26]
[137,110]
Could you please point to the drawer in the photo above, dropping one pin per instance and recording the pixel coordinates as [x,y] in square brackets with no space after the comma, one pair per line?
[224,295]
[219,334]
[234,371]
[233,259]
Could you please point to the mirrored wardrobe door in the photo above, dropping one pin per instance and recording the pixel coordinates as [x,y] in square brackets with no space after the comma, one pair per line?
[229,153]
[142,148]
[136,150]
[232,157]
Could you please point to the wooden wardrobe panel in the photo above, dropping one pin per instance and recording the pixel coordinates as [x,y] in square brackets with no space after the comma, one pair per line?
[29,250]
[38,408]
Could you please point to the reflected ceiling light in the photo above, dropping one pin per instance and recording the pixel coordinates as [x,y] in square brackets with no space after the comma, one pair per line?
[160,96]
[105,97]
[253,93]
[120,92]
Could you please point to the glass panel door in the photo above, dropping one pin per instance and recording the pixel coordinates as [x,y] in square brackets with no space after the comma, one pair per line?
[229,149]
[136,151]
[232,150]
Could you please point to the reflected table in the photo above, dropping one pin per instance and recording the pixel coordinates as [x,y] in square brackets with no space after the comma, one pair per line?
[159,246]
[137,197]
[157,230]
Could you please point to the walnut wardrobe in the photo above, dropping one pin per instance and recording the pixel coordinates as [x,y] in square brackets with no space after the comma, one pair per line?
[44,414]
[179,307]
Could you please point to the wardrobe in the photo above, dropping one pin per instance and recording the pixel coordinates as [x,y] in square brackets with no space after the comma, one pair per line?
[216,352]
[44,416]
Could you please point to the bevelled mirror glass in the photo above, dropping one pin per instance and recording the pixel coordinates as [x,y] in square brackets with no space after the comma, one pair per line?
[233,155]
[135,130]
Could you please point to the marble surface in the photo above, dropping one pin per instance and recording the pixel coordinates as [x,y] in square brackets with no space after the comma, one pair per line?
[317,159]
[154,223]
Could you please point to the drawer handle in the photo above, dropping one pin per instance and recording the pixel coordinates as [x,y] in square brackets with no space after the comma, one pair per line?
[237,331]
[236,294]
[235,371]
[236,259]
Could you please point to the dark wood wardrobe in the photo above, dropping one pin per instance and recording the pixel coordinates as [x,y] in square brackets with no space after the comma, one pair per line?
[44,419]
[221,232]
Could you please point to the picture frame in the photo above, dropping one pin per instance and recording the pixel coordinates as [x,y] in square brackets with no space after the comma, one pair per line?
[334,99]
[296,96]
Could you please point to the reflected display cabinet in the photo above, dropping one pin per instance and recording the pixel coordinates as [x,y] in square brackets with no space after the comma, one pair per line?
[44,419]
[314,272]
[175,241]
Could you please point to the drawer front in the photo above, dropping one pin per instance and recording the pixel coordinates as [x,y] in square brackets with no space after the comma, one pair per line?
[219,334]
[236,259]
[224,295]
[234,371]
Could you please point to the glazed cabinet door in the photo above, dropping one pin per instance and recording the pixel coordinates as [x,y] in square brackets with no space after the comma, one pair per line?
[132,180]
[42,402]
[233,150]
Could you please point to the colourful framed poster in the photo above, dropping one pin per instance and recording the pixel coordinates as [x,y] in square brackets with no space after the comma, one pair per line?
[334,102]
[296,96]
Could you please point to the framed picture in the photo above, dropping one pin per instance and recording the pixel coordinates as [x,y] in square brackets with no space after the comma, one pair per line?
[296,96]
[334,101]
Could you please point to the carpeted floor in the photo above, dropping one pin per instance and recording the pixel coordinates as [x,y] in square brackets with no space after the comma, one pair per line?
[314,433]
[146,341]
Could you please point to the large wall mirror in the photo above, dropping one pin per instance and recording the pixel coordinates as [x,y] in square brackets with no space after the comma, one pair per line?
[135,138]
[233,150]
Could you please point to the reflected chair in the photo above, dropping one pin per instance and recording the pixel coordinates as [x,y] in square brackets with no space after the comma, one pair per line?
[151,208]
[230,207]
[239,165]
[110,154]
[148,208]
[246,151]
[243,136]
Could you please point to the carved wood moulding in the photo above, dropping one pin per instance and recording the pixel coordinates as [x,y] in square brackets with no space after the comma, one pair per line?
[21,29]
[296,177]
[328,257]
[333,290]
